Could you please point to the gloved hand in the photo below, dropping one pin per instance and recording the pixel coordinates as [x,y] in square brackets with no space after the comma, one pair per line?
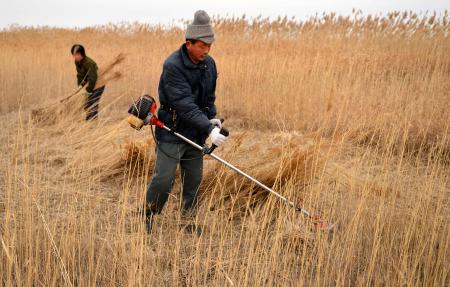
[216,137]
[216,123]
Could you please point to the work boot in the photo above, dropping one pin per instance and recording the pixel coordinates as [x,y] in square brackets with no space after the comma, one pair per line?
[188,222]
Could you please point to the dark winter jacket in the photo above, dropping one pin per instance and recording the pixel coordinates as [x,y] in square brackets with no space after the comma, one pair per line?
[187,96]
[87,73]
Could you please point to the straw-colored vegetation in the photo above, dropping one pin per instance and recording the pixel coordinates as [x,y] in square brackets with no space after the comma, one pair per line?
[348,117]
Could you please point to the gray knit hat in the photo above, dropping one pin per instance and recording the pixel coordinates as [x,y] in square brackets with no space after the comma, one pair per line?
[200,28]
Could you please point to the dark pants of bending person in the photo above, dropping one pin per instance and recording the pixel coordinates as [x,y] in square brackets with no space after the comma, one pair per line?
[91,104]
[191,164]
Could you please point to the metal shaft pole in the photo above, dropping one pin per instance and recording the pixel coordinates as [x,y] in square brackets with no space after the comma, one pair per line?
[283,198]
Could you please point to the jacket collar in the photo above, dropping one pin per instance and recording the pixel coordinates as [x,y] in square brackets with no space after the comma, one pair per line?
[187,61]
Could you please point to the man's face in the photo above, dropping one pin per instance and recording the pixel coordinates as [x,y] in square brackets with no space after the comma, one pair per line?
[77,57]
[198,51]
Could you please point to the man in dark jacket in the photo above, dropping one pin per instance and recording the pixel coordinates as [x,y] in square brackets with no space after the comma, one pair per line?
[87,75]
[187,95]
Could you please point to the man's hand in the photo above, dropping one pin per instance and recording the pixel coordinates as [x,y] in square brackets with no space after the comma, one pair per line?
[216,123]
[216,137]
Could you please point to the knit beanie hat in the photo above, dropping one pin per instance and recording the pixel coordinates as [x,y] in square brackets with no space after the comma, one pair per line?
[200,28]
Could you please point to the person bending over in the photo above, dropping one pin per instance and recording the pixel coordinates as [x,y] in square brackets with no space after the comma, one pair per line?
[87,75]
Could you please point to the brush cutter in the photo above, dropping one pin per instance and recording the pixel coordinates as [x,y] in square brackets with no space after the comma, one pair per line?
[143,112]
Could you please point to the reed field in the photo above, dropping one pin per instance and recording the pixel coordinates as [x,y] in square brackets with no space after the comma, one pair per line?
[347,116]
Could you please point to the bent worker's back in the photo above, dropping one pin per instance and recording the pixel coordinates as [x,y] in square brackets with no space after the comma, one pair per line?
[87,76]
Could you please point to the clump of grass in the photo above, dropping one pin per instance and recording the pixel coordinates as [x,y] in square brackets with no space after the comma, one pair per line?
[72,108]
[137,160]
[295,164]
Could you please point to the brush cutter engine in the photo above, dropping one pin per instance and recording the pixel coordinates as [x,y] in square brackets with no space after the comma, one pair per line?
[142,112]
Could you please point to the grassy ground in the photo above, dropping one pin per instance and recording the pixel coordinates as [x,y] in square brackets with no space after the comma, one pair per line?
[349,117]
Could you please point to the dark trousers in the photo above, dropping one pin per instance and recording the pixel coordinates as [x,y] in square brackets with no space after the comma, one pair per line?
[91,104]
[167,160]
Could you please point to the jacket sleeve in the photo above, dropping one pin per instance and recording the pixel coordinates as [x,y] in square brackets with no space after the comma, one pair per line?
[180,97]
[79,77]
[212,110]
[91,77]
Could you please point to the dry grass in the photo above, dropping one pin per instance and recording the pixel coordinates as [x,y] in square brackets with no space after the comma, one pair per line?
[349,117]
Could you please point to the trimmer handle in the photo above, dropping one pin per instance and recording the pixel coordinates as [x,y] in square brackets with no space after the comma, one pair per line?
[223,131]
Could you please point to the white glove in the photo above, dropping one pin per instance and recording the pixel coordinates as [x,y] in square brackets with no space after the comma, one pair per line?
[216,137]
[216,123]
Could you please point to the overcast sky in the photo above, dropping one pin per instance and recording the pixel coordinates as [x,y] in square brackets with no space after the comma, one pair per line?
[81,13]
